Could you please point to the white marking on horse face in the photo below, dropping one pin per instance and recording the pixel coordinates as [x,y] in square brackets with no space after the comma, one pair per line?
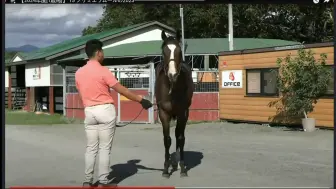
[171,67]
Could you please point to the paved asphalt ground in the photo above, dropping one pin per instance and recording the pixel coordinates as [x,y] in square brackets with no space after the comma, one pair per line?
[219,154]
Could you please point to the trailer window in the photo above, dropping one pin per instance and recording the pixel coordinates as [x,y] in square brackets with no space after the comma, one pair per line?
[253,81]
[261,82]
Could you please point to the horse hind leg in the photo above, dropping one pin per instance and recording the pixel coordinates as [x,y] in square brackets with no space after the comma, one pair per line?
[176,159]
[180,141]
[165,120]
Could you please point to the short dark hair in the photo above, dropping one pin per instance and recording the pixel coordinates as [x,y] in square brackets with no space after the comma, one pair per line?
[92,46]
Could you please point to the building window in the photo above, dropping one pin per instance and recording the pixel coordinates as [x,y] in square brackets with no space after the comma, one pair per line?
[57,79]
[57,69]
[261,82]
[330,90]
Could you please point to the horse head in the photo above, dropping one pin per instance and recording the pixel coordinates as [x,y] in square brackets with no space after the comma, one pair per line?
[172,55]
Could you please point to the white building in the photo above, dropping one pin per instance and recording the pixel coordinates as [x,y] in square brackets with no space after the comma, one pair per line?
[43,78]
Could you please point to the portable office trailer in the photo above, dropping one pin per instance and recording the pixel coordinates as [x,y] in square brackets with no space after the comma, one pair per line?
[247,85]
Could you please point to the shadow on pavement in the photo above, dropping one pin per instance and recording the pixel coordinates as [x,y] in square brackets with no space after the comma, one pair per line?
[191,159]
[123,171]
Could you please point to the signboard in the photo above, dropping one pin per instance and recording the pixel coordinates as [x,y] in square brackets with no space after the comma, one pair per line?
[37,73]
[232,79]
[6,78]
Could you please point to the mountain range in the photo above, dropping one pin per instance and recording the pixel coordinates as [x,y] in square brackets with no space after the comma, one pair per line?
[24,48]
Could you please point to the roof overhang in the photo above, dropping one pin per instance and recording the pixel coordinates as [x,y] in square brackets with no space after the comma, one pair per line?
[16,55]
[170,29]
[107,61]
[15,63]
[22,62]
[280,48]
[64,62]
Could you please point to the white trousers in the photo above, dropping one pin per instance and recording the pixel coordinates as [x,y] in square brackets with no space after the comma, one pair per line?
[100,125]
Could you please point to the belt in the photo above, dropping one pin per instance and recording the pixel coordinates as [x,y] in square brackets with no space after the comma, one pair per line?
[100,104]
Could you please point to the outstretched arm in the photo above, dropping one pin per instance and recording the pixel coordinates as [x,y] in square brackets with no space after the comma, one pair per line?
[126,92]
[113,83]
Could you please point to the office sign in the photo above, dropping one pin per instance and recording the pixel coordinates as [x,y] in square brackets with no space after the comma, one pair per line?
[232,79]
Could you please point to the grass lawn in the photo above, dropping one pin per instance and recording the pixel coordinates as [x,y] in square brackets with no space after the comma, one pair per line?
[28,118]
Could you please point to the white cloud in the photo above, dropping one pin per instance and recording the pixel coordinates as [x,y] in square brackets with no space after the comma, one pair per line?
[43,25]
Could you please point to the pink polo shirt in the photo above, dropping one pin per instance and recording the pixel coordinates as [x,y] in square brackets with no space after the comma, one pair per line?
[93,82]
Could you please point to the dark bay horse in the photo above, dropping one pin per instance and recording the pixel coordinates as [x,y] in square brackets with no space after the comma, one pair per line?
[174,89]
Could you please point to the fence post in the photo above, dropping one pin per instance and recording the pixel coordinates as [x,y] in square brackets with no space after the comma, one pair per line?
[151,91]
[119,103]
[64,89]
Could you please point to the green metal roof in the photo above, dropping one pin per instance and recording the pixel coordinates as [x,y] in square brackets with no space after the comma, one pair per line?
[193,47]
[76,42]
[23,55]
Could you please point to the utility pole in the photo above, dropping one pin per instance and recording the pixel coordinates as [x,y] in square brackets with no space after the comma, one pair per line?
[230,27]
[182,28]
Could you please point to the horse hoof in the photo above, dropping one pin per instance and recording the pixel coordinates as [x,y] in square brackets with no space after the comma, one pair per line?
[165,175]
[183,175]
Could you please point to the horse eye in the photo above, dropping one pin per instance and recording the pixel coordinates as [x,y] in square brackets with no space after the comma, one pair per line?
[166,50]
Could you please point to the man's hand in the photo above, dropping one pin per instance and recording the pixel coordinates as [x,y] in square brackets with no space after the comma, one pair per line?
[146,104]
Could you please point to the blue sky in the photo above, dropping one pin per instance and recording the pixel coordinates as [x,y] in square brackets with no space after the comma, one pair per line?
[43,25]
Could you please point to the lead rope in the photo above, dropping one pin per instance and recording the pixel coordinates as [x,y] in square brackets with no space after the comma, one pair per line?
[117,125]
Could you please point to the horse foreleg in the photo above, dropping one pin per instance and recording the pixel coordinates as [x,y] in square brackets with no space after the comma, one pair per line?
[175,160]
[165,120]
[180,140]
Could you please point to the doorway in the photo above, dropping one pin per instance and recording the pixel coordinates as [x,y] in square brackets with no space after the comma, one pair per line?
[42,99]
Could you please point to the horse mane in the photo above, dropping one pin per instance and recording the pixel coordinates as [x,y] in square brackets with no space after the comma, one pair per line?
[160,65]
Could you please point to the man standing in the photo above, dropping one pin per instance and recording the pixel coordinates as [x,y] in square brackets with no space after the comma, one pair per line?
[93,82]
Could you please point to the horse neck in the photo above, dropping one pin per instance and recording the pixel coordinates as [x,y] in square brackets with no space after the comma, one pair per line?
[180,83]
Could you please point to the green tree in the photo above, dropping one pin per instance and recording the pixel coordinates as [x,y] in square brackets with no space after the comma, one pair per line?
[301,23]
[302,80]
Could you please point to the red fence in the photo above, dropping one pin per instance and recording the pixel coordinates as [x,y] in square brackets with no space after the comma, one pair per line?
[74,106]
[128,109]
[204,107]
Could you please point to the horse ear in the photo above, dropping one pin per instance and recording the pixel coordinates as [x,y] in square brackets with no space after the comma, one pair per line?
[163,35]
[178,35]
